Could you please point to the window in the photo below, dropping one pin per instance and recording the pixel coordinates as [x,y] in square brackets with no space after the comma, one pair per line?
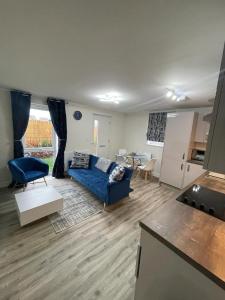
[156,129]
[39,139]
[39,130]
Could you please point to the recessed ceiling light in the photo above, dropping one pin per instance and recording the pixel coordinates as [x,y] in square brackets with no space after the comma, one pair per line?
[181,98]
[174,97]
[169,94]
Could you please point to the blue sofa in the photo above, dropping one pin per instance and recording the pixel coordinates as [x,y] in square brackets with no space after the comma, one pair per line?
[97,181]
[27,169]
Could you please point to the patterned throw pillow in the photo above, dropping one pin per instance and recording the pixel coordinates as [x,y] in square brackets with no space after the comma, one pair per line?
[117,174]
[80,161]
[103,164]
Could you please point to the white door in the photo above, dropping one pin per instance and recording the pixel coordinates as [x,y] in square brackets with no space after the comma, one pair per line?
[102,126]
[192,172]
[177,139]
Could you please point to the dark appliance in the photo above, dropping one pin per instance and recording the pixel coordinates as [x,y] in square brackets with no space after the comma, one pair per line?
[206,200]
[198,156]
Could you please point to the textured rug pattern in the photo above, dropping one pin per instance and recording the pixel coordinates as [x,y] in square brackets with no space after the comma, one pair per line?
[79,205]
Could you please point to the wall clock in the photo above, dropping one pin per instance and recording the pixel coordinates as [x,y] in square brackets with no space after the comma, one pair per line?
[77,115]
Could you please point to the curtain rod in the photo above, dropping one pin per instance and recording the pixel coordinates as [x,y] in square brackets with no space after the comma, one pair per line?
[14,90]
[43,98]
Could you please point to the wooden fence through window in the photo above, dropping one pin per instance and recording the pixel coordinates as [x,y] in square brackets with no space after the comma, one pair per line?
[39,133]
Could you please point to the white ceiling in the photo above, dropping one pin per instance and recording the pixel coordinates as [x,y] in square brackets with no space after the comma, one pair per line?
[78,49]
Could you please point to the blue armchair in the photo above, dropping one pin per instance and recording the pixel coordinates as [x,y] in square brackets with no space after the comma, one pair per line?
[27,169]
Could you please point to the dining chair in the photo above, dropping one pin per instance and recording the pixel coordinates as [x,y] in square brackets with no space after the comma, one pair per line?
[121,156]
[147,169]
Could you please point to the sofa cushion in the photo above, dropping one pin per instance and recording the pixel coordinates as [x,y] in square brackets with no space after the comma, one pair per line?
[112,166]
[93,161]
[96,181]
[103,164]
[117,174]
[33,175]
[80,161]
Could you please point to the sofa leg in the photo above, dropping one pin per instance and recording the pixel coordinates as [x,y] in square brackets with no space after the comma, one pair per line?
[24,187]
[45,181]
[104,205]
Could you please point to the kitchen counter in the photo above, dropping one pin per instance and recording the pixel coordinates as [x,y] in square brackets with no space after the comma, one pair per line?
[196,162]
[193,235]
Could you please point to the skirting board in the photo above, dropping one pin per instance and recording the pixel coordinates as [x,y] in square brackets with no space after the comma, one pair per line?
[157,175]
[4,183]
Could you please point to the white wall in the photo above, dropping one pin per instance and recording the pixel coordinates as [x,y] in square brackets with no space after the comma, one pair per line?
[135,138]
[80,132]
[6,137]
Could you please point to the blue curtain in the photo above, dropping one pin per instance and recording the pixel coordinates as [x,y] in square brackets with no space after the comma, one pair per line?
[58,116]
[156,127]
[20,103]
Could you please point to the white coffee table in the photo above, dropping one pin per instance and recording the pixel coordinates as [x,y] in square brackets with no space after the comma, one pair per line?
[38,203]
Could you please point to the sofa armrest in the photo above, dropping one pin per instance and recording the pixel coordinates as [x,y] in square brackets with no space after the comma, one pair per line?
[121,183]
[118,190]
[128,173]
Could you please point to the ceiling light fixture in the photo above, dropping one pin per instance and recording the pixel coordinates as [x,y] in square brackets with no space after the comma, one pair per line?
[111,97]
[181,98]
[175,95]
[169,94]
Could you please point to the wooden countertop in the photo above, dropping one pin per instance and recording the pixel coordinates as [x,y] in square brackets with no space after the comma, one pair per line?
[196,236]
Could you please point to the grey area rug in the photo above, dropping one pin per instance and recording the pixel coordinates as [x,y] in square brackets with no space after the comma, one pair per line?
[79,204]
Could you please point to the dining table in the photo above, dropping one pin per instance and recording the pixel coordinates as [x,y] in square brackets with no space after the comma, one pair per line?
[135,157]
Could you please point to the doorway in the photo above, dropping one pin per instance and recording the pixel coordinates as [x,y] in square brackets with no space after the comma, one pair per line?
[40,139]
[101,135]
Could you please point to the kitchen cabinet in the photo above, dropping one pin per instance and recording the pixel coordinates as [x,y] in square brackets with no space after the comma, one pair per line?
[162,274]
[179,131]
[215,151]
[191,172]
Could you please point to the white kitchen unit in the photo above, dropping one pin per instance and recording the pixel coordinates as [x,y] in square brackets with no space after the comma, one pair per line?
[163,275]
[178,135]
[191,172]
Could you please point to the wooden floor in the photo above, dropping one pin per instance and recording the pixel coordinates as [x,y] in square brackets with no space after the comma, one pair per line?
[93,260]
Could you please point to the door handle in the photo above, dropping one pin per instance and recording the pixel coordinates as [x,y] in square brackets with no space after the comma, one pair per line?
[102,146]
[188,168]
[138,261]
[182,166]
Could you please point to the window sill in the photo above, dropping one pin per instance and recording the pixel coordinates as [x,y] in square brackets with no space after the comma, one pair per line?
[157,144]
